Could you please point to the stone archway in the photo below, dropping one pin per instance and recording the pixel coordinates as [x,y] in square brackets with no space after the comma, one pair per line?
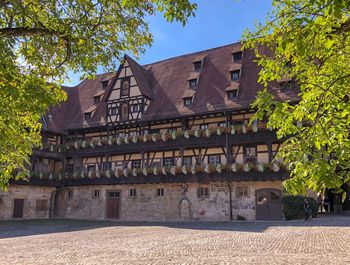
[185,209]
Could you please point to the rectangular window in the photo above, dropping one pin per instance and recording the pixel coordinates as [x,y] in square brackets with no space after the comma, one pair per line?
[242,191]
[96,194]
[168,162]
[203,192]
[96,100]
[188,102]
[222,124]
[203,126]
[135,164]
[160,192]
[91,167]
[70,194]
[197,65]
[214,160]
[105,83]
[87,115]
[237,56]
[187,161]
[232,94]
[114,194]
[250,154]
[125,87]
[171,130]
[192,82]
[106,165]
[135,108]
[113,111]
[235,75]
[132,193]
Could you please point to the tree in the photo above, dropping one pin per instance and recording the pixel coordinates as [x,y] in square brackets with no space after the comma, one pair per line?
[41,40]
[308,41]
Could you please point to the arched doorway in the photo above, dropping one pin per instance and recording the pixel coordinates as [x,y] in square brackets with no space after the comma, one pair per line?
[185,209]
[268,204]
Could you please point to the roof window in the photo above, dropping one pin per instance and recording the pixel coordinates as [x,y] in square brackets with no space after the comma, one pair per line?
[104,83]
[87,115]
[235,75]
[232,94]
[197,65]
[286,85]
[237,56]
[97,99]
[187,102]
[193,82]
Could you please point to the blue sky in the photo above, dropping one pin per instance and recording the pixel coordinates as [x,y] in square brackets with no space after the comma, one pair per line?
[217,22]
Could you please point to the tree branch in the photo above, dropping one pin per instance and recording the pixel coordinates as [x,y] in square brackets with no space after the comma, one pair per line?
[24,31]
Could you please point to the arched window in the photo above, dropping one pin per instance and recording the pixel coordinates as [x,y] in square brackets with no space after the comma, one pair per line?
[125,88]
[124,112]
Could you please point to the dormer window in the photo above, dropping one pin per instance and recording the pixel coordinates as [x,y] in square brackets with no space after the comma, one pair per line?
[87,115]
[235,75]
[287,85]
[197,65]
[232,94]
[236,56]
[187,102]
[96,100]
[104,83]
[192,82]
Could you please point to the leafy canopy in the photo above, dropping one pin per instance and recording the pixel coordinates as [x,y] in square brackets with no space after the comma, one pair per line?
[308,41]
[41,40]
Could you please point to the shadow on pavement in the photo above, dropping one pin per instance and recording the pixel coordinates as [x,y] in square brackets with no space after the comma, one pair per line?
[18,228]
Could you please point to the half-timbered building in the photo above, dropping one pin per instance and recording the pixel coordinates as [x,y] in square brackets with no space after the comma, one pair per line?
[169,140]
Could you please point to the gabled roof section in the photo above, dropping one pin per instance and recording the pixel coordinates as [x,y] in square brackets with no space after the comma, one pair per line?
[142,76]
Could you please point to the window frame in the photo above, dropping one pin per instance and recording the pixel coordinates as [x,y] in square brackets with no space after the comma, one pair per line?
[125,92]
[238,72]
[232,92]
[196,64]
[193,82]
[171,159]
[246,192]
[217,162]
[132,193]
[160,192]
[96,193]
[124,116]
[203,192]
[188,102]
[136,161]
[234,56]
[187,158]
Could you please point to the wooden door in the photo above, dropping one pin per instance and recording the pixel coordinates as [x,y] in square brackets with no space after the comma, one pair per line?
[262,204]
[113,200]
[18,208]
[268,204]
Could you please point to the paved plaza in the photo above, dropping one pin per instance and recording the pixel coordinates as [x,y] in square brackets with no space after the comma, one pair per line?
[323,240]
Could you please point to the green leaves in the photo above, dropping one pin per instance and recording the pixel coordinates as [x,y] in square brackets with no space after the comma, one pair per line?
[41,40]
[312,37]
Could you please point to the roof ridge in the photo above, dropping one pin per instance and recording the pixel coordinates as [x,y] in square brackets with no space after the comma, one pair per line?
[188,54]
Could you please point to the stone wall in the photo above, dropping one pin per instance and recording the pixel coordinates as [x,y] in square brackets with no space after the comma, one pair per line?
[36,201]
[180,201]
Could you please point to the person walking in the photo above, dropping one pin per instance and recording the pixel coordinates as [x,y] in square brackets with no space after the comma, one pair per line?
[306,209]
[320,203]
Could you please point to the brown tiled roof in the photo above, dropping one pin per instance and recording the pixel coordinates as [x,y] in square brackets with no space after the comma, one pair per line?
[233,86]
[166,82]
[99,93]
[235,66]
[193,75]
[188,93]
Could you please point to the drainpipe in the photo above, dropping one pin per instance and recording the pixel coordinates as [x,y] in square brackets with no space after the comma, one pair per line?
[228,158]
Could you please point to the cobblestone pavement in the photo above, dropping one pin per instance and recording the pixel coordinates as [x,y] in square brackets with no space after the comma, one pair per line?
[319,241]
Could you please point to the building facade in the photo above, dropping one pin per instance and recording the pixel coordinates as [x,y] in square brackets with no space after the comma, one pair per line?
[166,141]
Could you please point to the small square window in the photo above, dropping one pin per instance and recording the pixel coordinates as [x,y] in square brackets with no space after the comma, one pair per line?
[70,194]
[135,164]
[193,82]
[132,193]
[91,167]
[104,84]
[187,161]
[237,56]
[203,192]
[168,162]
[242,191]
[251,151]
[155,164]
[96,100]
[87,115]
[235,75]
[188,102]
[232,94]
[135,108]
[197,65]
[160,192]
[214,160]
[96,194]
[203,126]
